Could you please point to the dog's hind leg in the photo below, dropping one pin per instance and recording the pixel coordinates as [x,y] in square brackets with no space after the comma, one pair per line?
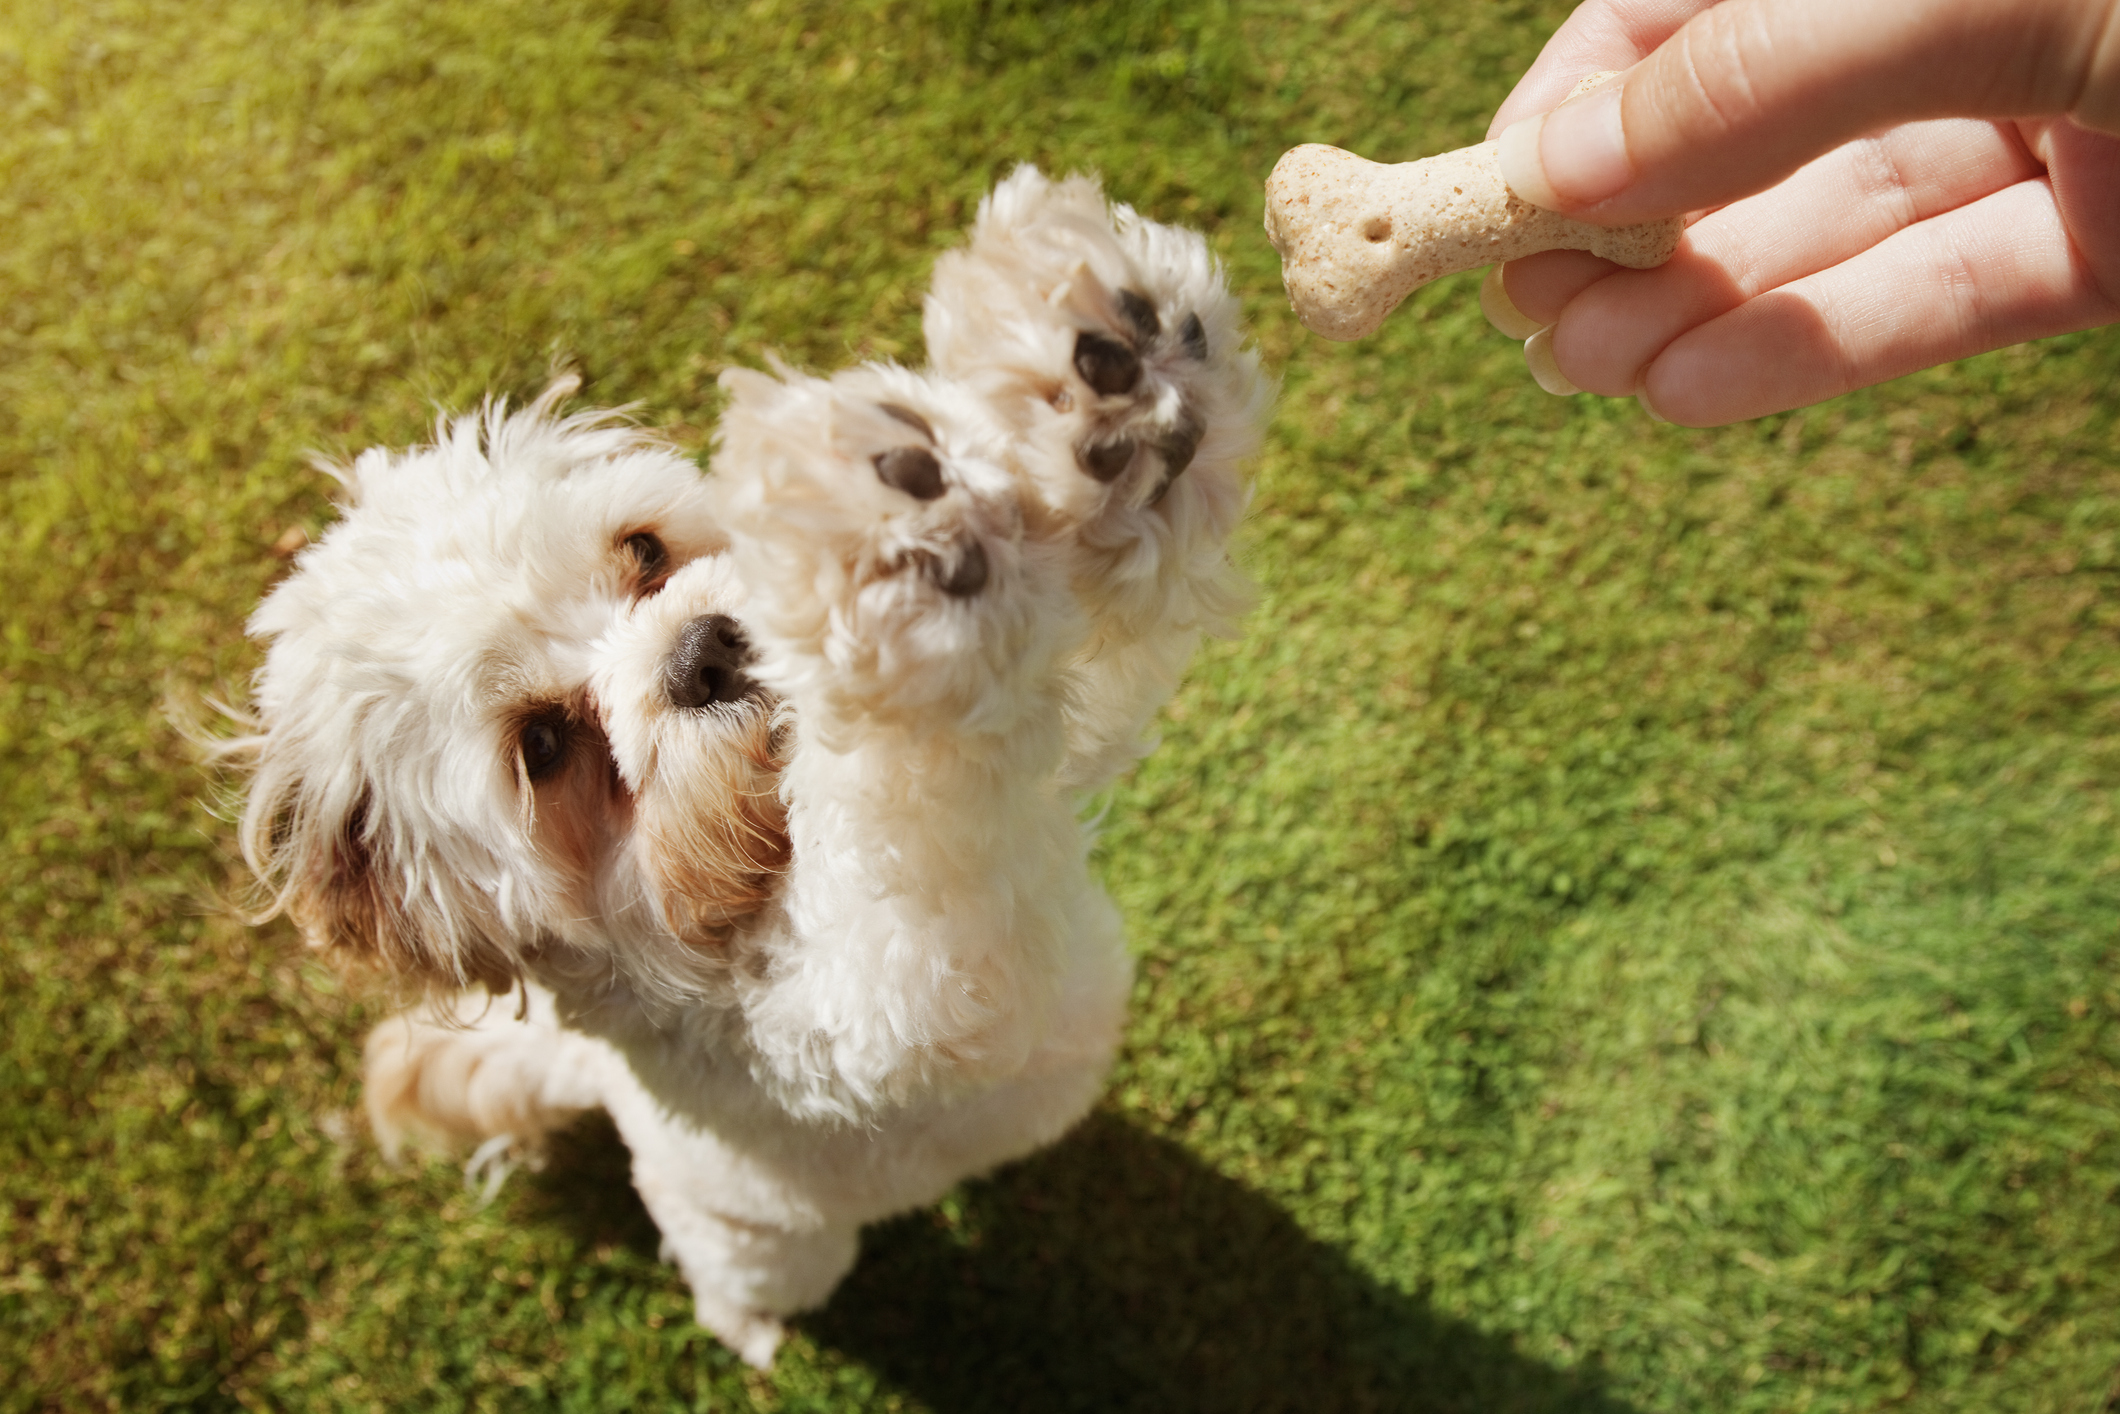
[474,1068]
[744,1275]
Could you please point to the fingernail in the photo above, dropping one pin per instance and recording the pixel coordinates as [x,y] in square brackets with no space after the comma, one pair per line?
[1641,395]
[1501,311]
[1573,157]
[1522,169]
[1538,357]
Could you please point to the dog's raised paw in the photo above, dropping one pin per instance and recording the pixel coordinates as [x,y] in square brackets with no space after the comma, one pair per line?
[1107,344]
[1122,408]
[878,524]
[1122,425]
[871,475]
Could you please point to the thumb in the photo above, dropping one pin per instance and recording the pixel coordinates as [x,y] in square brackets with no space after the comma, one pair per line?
[1748,91]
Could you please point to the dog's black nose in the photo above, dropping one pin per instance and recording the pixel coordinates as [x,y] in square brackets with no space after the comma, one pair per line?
[707,664]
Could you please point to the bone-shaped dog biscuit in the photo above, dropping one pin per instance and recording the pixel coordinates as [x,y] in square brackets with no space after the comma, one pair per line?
[1356,237]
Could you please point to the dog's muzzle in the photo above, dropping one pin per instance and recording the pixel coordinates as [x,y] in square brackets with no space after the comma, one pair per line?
[707,664]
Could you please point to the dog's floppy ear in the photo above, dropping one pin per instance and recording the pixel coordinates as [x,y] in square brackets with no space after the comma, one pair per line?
[343,893]
[324,859]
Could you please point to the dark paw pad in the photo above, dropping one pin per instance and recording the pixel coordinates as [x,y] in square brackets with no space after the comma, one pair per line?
[1108,366]
[1141,314]
[1178,447]
[962,575]
[1105,460]
[912,470]
[907,416]
[1193,334]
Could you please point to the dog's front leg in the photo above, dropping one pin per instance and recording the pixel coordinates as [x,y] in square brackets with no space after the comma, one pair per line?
[1113,351]
[916,627]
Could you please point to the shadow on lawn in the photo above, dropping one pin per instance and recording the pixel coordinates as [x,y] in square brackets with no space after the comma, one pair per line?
[1116,1271]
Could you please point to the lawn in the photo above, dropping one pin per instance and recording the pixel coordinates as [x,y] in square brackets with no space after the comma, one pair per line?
[1632,925]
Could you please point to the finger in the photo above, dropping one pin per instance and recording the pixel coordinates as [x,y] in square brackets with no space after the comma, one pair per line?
[2084,167]
[1833,210]
[1536,288]
[1748,91]
[1540,286]
[1599,35]
[1997,272]
[1504,316]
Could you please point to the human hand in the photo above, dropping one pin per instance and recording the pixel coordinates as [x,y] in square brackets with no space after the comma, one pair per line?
[1907,182]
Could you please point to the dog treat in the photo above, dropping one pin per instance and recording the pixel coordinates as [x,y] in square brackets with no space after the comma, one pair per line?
[1356,237]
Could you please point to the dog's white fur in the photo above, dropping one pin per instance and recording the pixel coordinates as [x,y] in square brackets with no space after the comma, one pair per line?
[824,947]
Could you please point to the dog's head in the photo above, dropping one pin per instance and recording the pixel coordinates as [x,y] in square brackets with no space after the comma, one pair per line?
[504,706]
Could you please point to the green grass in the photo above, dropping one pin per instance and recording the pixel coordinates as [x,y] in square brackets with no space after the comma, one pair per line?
[1634,924]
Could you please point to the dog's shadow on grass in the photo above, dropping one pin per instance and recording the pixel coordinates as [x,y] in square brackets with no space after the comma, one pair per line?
[1118,1273]
[1115,1271]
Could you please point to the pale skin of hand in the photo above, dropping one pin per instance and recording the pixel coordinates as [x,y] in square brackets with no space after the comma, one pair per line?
[1878,185]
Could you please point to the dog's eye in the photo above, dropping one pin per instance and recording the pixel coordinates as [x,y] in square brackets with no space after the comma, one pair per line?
[649,553]
[543,743]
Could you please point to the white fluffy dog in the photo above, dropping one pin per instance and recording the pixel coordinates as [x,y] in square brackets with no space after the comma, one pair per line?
[760,790]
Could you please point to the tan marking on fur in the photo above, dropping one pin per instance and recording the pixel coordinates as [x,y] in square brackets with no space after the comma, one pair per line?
[718,851]
[578,809]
